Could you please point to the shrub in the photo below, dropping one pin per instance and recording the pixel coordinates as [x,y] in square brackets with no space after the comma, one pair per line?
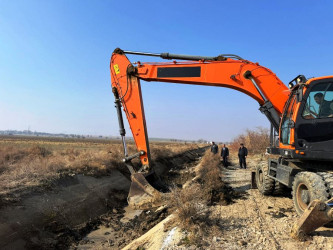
[189,203]
[256,140]
[40,151]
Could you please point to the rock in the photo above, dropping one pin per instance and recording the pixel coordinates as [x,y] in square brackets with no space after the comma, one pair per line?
[160,208]
[242,243]
[110,242]
[115,211]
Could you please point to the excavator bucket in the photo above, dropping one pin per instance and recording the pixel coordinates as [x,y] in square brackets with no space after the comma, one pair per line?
[317,214]
[143,195]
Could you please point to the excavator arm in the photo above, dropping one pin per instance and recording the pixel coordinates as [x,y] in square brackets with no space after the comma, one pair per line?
[228,71]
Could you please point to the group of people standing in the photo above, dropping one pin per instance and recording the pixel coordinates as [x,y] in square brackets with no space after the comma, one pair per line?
[242,154]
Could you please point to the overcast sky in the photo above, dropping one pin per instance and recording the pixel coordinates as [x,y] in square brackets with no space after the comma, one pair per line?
[54,60]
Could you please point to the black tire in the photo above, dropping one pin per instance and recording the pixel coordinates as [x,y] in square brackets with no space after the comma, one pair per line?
[307,187]
[280,189]
[264,183]
[328,178]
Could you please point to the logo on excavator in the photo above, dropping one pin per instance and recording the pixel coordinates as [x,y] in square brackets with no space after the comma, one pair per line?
[116,69]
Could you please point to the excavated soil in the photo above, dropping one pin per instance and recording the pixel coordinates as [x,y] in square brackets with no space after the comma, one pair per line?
[78,210]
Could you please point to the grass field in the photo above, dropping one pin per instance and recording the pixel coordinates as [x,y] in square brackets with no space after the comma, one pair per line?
[27,162]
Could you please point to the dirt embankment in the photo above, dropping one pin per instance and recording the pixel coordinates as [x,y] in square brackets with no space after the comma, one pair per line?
[70,207]
[46,219]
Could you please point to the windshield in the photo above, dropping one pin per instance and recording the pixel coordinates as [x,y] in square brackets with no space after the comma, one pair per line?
[319,103]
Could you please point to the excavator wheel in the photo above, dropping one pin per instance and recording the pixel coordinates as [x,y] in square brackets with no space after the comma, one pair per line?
[307,187]
[264,183]
[328,178]
[280,189]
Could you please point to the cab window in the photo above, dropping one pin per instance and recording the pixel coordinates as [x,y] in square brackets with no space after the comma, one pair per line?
[287,122]
[319,103]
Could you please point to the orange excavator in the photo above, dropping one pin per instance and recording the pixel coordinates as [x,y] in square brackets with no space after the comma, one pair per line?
[301,118]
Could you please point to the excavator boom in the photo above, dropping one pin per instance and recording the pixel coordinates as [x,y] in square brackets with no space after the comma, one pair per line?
[228,71]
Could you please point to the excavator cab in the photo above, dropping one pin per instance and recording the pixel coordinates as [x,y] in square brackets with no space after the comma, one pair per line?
[306,125]
[306,153]
[314,121]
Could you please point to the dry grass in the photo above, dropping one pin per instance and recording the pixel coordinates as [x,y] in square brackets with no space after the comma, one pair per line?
[209,171]
[192,203]
[192,213]
[28,163]
[165,150]
[256,141]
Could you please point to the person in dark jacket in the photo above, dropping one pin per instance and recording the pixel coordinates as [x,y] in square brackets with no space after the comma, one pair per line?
[325,109]
[242,154]
[214,148]
[225,155]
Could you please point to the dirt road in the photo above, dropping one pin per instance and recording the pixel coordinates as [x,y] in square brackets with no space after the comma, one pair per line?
[255,221]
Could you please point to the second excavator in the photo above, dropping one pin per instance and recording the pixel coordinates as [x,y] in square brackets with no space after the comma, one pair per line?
[301,118]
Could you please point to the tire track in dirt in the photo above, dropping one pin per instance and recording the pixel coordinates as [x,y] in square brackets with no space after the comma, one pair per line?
[251,207]
[255,221]
[263,224]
